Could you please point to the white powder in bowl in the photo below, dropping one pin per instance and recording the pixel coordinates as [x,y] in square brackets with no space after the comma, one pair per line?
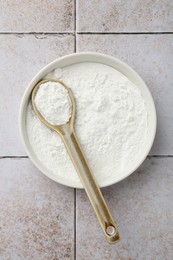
[111,123]
[53,102]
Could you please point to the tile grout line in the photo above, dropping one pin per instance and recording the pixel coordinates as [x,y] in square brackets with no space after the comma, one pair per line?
[75,224]
[75,34]
[160,156]
[124,33]
[75,26]
[37,33]
[27,157]
[14,157]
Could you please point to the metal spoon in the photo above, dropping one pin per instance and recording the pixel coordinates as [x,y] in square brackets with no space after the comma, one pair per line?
[67,133]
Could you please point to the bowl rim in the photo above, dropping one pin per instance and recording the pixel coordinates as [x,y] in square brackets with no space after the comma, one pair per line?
[87,56]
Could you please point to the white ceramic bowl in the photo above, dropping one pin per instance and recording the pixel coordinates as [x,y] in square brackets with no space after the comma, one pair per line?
[99,58]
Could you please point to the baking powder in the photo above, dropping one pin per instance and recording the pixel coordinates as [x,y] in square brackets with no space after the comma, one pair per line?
[111,123]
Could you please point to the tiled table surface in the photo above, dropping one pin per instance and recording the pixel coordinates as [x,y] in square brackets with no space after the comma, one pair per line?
[40,219]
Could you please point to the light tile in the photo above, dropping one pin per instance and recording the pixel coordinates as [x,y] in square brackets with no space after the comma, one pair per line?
[142,207]
[37,16]
[36,214]
[124,16]
[22,56]
[151,56]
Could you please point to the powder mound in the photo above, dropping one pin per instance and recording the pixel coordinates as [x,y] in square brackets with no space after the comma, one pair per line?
[52,101]
[110,122]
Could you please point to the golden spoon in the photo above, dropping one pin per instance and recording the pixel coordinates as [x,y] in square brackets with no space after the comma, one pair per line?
[67,133]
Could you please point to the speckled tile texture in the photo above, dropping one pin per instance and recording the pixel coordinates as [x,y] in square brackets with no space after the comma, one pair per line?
[142,206]
[36,214]
[151,56]
[125,16]
[40,219]
[36,16]
[22,56]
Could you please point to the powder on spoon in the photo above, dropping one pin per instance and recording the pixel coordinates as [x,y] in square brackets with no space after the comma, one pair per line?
[53,102]
[111,123]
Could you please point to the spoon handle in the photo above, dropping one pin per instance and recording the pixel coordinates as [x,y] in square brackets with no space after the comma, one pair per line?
[91,187]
